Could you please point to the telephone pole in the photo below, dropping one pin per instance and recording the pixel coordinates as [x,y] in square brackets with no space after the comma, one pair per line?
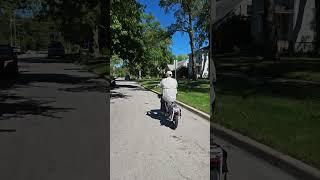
[14,28]
[11,28]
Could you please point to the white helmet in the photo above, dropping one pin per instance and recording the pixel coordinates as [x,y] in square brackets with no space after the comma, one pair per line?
[169,73]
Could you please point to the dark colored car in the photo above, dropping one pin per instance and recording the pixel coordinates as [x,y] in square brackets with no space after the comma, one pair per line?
[8,61]
[127,77]
[113,82]
[55,49]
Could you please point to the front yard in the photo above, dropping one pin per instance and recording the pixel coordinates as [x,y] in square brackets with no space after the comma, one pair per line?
[283,115]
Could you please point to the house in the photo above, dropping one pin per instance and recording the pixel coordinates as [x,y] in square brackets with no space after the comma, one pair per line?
[182,68]
[229,8]
[232,25]
[202,63]
[295,23]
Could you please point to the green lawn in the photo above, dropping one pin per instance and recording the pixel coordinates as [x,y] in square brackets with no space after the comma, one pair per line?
[283,116]
[98,66]
[193,93]
[293,69]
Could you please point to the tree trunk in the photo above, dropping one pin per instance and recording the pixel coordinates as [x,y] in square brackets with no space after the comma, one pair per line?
[96,51]
[269,29]
[204,65]
[212,68]
[105,23]
[194,74]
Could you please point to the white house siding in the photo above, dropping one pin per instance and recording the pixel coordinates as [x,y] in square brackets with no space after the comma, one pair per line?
[202,63]
[307,33]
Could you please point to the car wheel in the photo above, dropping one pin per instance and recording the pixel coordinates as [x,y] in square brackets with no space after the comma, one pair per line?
[12,69]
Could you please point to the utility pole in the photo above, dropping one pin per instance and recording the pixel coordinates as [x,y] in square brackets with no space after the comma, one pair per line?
[175,69]
[14,28]
[11,28]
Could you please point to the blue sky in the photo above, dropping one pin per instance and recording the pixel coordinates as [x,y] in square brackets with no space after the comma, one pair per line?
[180,41]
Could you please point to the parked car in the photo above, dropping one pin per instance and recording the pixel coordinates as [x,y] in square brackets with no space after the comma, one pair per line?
[55,49]
[127,77]
[113,82]
[8,61]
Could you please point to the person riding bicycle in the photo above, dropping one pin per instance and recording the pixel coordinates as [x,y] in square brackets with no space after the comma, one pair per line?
[168,87]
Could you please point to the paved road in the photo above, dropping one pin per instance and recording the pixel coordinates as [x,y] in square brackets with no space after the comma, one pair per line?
[145,147]
[53,123]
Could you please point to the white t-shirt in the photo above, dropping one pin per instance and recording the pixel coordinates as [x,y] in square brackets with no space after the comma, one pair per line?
[169,89]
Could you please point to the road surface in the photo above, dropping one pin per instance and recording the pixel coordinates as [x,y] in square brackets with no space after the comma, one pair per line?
[53,123]
[143,146]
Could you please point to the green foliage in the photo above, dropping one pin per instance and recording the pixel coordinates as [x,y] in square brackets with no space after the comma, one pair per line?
[188,14]
[182,57]
[156,43]
[126,31]
[138,39]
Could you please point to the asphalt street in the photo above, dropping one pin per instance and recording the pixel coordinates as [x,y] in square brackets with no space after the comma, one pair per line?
[143,145]
[53,123]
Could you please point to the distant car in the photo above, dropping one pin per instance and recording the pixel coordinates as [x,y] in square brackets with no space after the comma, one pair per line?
[113,82]
[127,77]
[8,61]
[55,49]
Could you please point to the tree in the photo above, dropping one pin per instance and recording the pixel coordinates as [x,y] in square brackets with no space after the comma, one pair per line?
[79,21]
[127,33]
[182,57]
[212,74]
[138,39]
[187,13]
[156,43]
[269,29]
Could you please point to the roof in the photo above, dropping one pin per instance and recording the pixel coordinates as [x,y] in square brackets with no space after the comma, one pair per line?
[180,64]
[224,7]
[206,48]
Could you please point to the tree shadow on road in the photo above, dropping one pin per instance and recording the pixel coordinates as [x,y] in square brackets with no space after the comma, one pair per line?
[13,106]
[45,60]
[131,87]
[156,114]
[89,86]
[27,79]
[117,95]
[7,130]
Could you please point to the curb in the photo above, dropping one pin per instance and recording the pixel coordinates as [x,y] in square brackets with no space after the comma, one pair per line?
[285,162]
[192,109]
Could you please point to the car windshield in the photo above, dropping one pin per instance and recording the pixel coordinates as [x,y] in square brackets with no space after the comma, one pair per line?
[5,49]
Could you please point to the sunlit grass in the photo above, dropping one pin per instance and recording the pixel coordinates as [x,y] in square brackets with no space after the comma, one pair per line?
[193,93]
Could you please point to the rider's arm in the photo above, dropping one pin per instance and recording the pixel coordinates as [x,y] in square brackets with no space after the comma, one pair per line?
[161,86]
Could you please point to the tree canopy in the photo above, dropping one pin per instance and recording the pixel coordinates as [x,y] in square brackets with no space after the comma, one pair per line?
[138,39]
[192,17]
